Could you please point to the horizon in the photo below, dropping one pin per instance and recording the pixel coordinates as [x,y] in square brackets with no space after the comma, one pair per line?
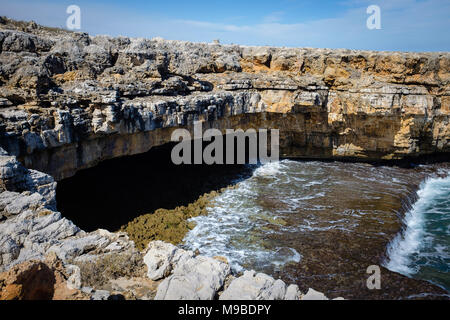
[406,25]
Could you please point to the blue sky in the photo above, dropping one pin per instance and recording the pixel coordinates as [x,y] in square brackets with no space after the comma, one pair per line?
[406,25]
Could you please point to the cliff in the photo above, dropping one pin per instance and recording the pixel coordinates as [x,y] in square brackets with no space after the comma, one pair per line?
[69,100]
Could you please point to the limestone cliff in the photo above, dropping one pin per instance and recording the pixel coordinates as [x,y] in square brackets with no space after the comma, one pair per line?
[69,100]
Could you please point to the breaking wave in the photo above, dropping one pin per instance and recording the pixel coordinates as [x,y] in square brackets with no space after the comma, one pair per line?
[422,250]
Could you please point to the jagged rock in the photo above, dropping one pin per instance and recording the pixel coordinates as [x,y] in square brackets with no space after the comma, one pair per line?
[256,286]
[161,258]
[135,288]
[38,280]
[292,293]
[100,295]
[314,295]
[197,278]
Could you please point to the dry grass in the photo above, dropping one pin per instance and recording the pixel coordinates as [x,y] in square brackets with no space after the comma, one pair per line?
[11,24]
[97,273]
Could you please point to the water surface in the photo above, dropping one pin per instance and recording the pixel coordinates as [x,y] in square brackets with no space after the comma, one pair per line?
[318,224]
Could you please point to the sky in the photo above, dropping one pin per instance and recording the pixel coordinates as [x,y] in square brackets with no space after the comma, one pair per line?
[406,25]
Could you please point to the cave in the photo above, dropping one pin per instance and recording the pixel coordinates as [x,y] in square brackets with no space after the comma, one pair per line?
[118,190]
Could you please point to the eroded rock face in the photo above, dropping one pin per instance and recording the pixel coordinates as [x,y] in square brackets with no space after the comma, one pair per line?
[68,100]
[45,256]
[38,280]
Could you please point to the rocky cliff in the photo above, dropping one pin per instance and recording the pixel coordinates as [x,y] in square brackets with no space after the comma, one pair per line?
[69,100]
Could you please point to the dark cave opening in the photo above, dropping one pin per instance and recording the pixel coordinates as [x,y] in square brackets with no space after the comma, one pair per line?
[116,191]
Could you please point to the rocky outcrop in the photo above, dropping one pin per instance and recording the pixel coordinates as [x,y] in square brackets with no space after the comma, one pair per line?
[68,100]
[38,280]
[34,228]
[259,286]
[190,277]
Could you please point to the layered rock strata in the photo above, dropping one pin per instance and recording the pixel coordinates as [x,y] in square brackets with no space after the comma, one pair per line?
[69,100]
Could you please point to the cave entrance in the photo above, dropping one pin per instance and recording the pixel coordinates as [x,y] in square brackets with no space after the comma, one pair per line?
[116,191]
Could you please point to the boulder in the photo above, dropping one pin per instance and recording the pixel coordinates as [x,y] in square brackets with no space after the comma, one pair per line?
[314,295]
[38,280]
[256,286]
[196,278]
[161,257]
[293,293]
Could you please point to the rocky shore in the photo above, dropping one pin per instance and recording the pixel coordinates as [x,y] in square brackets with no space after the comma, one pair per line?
[45,256]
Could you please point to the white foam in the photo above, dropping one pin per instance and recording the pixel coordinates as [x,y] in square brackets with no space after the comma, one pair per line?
[234,219]
[414,237]
[268,169]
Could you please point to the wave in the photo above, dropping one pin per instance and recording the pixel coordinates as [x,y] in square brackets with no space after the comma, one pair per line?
[423,243]
[236,225]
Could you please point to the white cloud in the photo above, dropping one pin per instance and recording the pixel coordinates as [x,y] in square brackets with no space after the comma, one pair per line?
[273,17]
[407,25]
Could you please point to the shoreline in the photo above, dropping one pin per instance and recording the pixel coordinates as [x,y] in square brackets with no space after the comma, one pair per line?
[71,249]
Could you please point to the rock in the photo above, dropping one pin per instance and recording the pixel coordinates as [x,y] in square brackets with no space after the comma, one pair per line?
[5,102]
[314,295]
[64,96]
[74,280]
[293,293]
[18,203]
[114,90]
[87,290]
[197,278]
[100,295]
[37,280]
[30,235]
[135,288]
[252,286]
[161,258]
[70,248]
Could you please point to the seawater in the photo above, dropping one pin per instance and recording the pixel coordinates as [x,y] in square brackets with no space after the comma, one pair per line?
[422,250]
[321,224]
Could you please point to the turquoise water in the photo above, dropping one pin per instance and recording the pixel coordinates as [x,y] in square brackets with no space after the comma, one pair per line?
[423,249]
